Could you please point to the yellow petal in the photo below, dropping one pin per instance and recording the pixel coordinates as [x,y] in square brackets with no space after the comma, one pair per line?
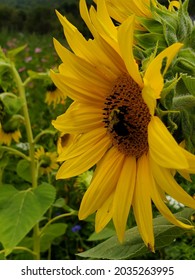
[120,10]
[163,148]
[85,142]
[80,69]
[85,16]
[115,62]
[167,182]
[125,41]
[191,161]
[185,175]
[123,196]
[97,53]
[72,87]
[164,210]
[142,202]
[103,183]
[104,214]
[173,4]
[75,39]
[79,118]
[148,95]
[83,162]
[153,73]
[105,21]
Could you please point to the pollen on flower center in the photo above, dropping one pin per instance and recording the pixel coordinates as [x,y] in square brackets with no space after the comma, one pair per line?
[126,117]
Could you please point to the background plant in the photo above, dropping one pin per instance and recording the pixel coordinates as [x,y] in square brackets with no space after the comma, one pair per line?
[36,210]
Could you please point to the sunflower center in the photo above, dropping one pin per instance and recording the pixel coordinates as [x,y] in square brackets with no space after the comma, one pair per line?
[45,161]
[126,117]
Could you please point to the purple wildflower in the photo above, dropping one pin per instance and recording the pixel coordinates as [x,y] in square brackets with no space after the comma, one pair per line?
[76,228]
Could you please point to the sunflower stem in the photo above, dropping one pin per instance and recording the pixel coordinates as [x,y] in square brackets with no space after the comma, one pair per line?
[14,152]
[46,131]
[21,91]
[72,213]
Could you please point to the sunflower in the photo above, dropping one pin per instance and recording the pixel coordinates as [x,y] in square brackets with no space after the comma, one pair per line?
[54,95]
[6,137]
[48,160]
[112,121]
[120,10]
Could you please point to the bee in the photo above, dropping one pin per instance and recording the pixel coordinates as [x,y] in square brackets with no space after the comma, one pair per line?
[117,123]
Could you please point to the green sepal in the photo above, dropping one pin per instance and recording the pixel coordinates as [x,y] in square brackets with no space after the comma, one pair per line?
[189,82]
[12,123]
[185,62]
[187,125]
[12,103]
[150,25]
[172,123]
[191,39]
[148,40]
[184,102]
[169,34]
[164,16]
[184,22]
[167,93]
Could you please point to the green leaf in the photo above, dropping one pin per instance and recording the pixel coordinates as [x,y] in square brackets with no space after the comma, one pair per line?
[12,53]
[50,233]
[2,256]
[23,170]
[20,211]
[104,234]
[59,203]
[133,246]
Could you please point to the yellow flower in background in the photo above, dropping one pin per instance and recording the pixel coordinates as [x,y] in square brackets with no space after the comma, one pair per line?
[47,160]
[54,95]
[6,137]
[113,126]
[65,141]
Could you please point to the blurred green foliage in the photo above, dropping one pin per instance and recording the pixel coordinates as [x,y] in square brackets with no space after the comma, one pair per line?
[38,16]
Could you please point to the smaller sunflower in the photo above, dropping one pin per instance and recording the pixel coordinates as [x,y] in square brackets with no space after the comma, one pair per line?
[6,136]
[47,160]
[54,95]
[121,10]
